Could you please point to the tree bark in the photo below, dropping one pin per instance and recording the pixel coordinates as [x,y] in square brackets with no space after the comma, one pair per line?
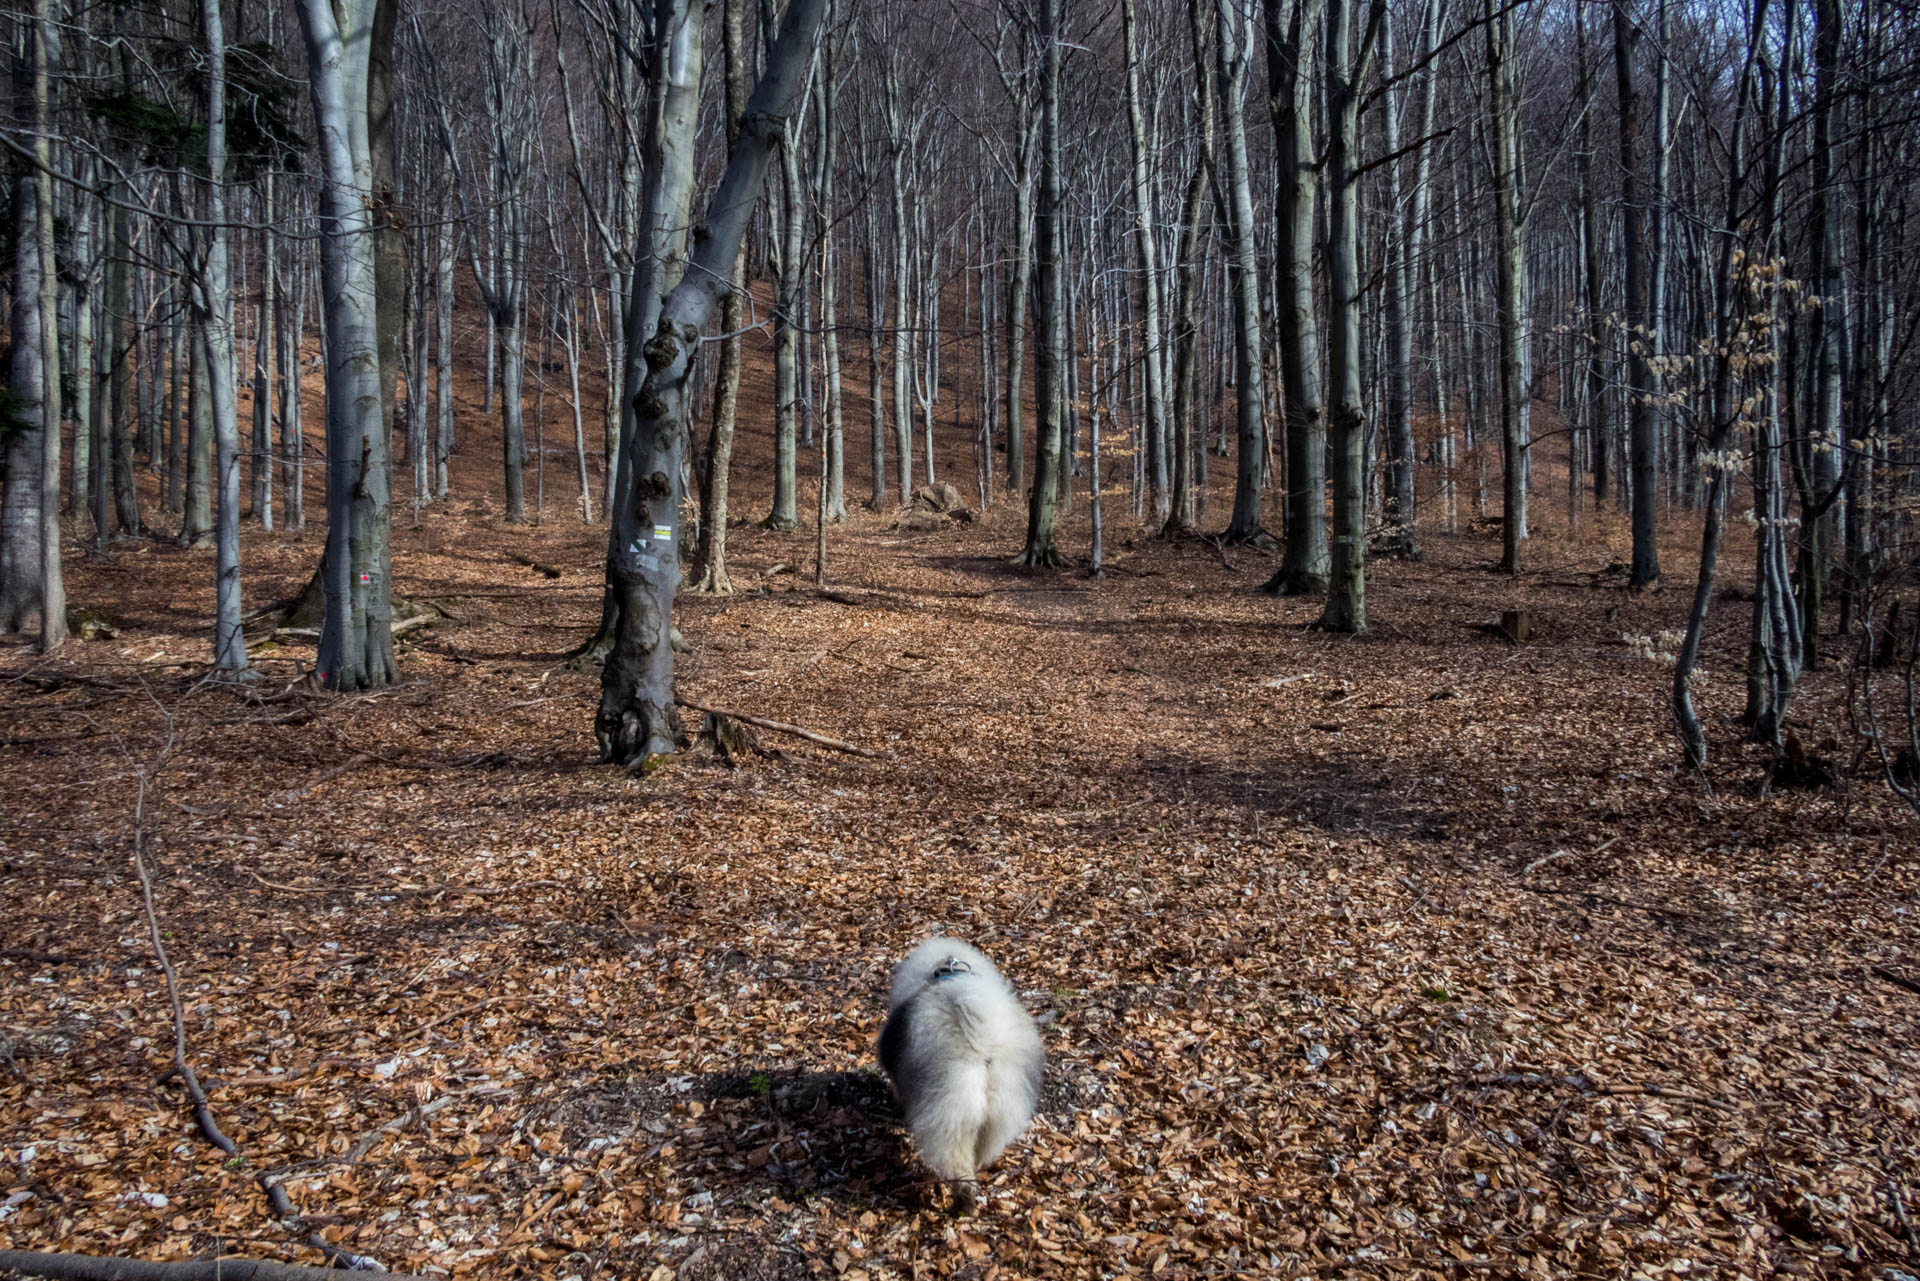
[1345,73]
[1152,362]
[356,641]
[637,717]
[1305,563]
[216,333]
[1510,248]
[1234,44]
[1645,568]
[1043,507]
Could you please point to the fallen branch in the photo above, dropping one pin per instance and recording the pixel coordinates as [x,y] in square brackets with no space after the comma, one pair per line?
[277,1199]
[544,570]
[400,628]
[38,958]
[1896,978]
[1558,854]
[1537,1080]
[327,775]
[477,891]
[781,727]
[89,1267]
[1658,909]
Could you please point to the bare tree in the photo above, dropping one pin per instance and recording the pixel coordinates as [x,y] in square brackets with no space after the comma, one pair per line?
[638,716]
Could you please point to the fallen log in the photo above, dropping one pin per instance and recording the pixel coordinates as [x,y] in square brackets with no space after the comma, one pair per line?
[781,727]
[89,1267]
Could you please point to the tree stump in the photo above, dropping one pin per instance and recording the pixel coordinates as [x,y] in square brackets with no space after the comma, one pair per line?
[1517,626]
[732,741]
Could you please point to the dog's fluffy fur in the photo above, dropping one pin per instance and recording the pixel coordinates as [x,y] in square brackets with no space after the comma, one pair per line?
[964,1056]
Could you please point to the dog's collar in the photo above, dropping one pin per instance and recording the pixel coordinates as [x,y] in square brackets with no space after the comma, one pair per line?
[950,967]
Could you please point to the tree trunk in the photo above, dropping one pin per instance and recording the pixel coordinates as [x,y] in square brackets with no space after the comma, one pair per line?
[1640,425]
[1510,248]
[637,716]
[216,332]
[1345,73]
[1152,364]
[1234,44]
[356,639]
[1305,563]
[1018,283]
[710,559]
[1043,507]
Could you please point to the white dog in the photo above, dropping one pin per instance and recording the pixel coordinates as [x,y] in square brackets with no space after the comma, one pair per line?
[964,1056]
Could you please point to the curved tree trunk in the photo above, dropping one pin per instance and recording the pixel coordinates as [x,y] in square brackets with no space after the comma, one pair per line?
[637,717]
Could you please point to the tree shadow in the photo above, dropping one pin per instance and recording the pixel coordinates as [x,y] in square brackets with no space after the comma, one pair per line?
[741,1137]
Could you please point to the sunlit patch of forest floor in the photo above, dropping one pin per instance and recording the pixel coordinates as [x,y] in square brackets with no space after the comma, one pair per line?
[1411,954]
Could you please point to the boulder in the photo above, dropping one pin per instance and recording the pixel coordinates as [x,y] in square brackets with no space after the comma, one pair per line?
[940,497]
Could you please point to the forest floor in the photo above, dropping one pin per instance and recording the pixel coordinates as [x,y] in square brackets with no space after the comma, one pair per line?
[1412,954]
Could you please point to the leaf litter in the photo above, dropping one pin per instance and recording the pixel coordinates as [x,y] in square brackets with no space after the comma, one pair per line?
[1476,982]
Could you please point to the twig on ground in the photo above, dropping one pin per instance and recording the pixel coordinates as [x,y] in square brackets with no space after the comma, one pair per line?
[1658,909]
[1896,978]
[326,775]
[1558,854]
[1536,1080]
[282,1207]
[477,891]
[1899,1203]
[781,727]
[88,1267]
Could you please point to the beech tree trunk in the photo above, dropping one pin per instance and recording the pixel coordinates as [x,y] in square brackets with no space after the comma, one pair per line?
[1234,43]
[637,717]
[1043,506]
[1305,562]
[356,638]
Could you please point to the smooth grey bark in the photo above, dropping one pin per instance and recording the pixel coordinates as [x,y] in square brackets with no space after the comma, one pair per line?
[356,639]
[637,717]
[1599,415]
[825,160]
[660,258]
[1817,472]
[1019,282]
[1399,510]
[1233,43]
[260,464]
[900,139]
[115,396]
[292,299]
[196,520]
[1345,74]
[83,301]
[876,301]
[53,588]
[443,439]
[1510,269]
[179,377]
[1645,567]
[710,556]
[1306,561]
[1043,507]
[215,306]
[20,515]
[1152,365]
[1186,445]
[789,271]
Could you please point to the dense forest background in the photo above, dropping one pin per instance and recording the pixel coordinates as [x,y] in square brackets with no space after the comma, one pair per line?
[1365,551]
